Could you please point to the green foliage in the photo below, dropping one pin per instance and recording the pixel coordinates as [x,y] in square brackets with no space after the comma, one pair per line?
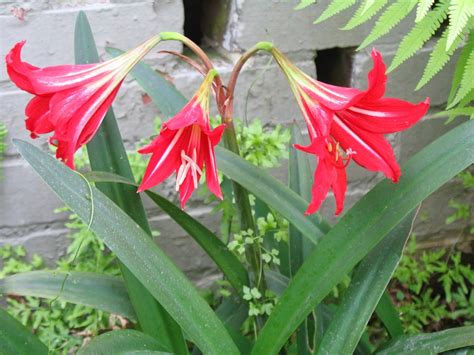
[364,13]
[460,11]
[421,33]
[334,8]
[262,146]
[433,289]
[61,325]
[457,15]
[422,9]
[389,19]
[463,211]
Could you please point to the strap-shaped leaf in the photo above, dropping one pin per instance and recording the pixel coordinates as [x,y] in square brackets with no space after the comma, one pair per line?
[389,316]
[368,283]
[124,342]
[433,343]
[107,293]
[107,153]
[376,214]
[136,250]
[16,339]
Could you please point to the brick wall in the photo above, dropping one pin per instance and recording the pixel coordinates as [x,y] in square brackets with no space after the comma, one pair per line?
[225,28]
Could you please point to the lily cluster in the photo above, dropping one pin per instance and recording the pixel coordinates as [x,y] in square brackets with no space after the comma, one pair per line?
[344,124]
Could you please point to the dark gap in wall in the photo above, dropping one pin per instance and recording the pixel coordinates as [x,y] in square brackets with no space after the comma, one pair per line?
[334,65]
[192,20]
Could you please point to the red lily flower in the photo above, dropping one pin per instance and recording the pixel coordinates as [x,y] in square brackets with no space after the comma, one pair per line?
[353,121]
[70,100]
[185,144]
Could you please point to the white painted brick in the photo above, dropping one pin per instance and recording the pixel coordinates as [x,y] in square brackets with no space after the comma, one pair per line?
[25,198]
[252,21]
[50,34]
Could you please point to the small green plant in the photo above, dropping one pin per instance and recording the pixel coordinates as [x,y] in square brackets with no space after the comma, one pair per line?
[63,326]
[433,289]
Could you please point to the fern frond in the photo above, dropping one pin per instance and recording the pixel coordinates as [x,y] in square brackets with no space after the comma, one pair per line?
[467,81]
[456,112]
[422,9]
[389,19]
[304,3]
[438,59]
[459,13]
[421,33]
[334,8]
[460,64]
[364,13]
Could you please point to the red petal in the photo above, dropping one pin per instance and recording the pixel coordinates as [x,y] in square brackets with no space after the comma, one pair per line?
[385,115]
[339,188]
[376,78]
[187,116]
[324,177]
[212,179]
[372,151]
[51,79]
[165,157]
[37,116]
[333,97]
[77,115]
[318,118]
[186,189]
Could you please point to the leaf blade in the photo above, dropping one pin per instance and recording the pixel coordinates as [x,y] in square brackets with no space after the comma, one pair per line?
[368,283]
[17,339]
[107,293]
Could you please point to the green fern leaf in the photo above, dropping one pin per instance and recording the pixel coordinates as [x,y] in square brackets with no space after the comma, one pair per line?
[364,13]
[422,9]
[421,33]
[389,19]
[459,13]
[438,59]
[334,8]
[467,82]
[304,3]
[460,65]
[456,112]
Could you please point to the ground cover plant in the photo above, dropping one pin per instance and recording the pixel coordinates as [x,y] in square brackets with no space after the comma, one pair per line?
[282,260]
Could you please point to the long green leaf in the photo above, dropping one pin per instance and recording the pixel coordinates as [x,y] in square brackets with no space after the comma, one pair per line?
[362,228]
[162,92]
[107,153]
[272,192]
[300,181]
[136,250]
[433,343]
[389,316]
[227,262]
[16,339]
[123,342]
[107,293]
[368,283]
